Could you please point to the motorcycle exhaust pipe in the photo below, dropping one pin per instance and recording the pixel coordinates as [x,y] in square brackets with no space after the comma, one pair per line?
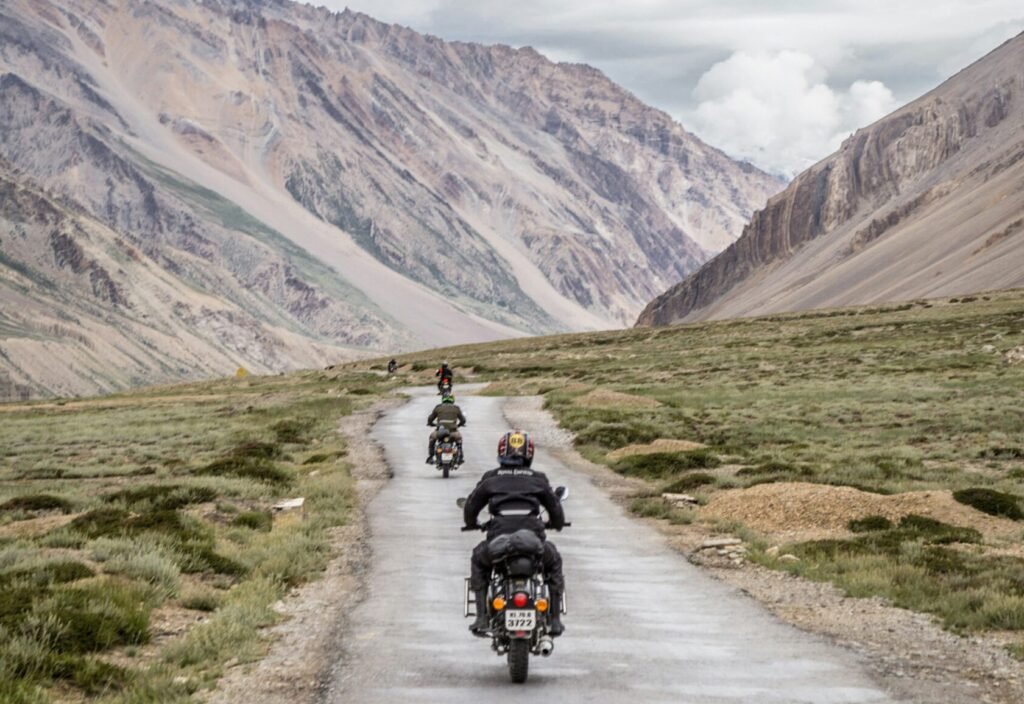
[546,646]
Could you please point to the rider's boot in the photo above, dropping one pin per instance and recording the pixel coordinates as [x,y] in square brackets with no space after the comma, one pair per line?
[462,457]
[430,456]
[482,625]
[555,627]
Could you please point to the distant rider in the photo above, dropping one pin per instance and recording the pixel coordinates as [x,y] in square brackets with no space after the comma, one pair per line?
[446,414]
[514,495]
[444,375]
[392,366]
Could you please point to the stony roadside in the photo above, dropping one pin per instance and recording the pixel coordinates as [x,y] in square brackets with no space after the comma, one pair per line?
[907,653]
[315,614]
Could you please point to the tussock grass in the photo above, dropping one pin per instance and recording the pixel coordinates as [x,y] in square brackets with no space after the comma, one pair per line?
[659,465]
[169,486]
[992,502]
[689,482]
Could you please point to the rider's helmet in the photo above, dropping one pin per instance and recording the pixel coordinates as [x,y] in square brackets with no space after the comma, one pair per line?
[447,398]
[515,448]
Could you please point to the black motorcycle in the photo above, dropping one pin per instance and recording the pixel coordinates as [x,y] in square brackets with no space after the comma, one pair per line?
[447,456]
[445,388]
[518,599]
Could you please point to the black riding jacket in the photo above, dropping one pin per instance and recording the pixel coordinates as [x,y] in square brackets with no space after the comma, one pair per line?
[444,372]
[519,490]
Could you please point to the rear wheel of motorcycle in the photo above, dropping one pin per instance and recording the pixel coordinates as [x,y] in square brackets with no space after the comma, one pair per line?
[444,471]
[518,660]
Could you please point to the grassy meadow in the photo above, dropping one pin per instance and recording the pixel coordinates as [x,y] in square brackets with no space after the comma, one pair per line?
[887,399]
[138,553]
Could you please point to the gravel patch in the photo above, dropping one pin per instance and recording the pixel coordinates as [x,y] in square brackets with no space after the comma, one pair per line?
[791,511]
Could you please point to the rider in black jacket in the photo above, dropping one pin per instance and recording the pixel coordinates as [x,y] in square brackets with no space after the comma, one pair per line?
[514,494]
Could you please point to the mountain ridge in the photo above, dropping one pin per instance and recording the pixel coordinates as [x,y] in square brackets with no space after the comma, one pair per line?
[912,206]
[312,166]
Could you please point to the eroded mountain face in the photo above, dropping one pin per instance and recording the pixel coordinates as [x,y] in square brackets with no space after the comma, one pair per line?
[294,184]
[928,201]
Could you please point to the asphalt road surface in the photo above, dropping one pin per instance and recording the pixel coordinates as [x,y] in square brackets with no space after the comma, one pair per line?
[644,625]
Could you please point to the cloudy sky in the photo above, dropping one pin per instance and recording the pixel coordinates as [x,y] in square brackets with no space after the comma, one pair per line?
[777,82]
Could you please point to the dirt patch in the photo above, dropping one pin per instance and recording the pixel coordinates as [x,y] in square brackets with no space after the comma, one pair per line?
[32,527]
[913,658]
[606,398]
[659,445]
[295,668]
[801,511]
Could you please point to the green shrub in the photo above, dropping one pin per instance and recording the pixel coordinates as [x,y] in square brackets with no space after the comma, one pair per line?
[100,522]
[658,465]
[96,617]
[869,523]
[163,496]
[689,482]
[257,468]
[615,435]
[37,503]
[201,599]
[775,467]
[1002,453]
[59,571]
[992,502]
[257,520]
[292,430]
[256,451]
[155,568]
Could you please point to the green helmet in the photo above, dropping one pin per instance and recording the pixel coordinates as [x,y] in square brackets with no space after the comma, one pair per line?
[447,398]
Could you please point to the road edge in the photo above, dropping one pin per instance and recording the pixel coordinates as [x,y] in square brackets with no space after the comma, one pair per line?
[297,666]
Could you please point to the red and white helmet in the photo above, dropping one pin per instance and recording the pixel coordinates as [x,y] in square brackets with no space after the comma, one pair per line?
[515,447]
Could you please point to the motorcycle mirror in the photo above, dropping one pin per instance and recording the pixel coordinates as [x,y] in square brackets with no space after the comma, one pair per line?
[562,492]
[460,502]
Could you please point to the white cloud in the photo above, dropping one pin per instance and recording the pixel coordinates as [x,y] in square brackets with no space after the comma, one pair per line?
[775,109]
[861,54]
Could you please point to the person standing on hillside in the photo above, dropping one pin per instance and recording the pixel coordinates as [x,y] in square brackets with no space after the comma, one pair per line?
[444,374]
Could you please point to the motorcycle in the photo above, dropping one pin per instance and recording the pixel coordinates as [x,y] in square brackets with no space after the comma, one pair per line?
[518,599]
[448,453]
[447,456]
[446,387]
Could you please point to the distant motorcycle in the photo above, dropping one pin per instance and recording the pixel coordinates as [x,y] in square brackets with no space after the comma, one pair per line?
[445,389]
[518,599]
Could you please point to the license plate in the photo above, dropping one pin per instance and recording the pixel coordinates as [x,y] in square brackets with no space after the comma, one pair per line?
[447,456]
[520,620]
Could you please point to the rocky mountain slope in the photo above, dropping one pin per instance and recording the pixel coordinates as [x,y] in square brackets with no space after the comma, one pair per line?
[268,184]
[928,201]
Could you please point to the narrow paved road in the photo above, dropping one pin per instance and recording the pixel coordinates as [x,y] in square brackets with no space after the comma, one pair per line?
[643,626]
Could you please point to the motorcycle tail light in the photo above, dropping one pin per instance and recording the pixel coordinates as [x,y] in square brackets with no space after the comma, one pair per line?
[541,604]
[520,600]
[498,603]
